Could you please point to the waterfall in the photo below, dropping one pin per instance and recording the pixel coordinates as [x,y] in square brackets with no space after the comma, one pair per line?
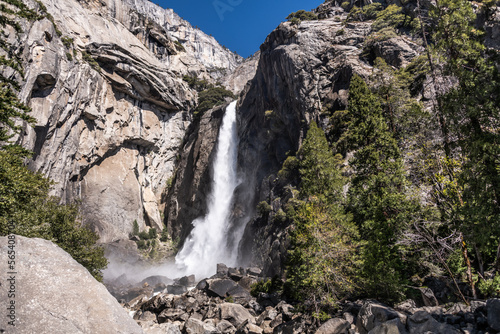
[208,244]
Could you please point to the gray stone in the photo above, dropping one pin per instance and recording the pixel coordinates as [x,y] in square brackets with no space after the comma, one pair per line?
[422,322]
[57,295]
[372,314]
[394,326]
[187,280]
[176,289]
[195,326]
[222,269]
[220,287]
[334,326]
[170,314]
[235,314]
[225,327]
[166,328]
[493,309]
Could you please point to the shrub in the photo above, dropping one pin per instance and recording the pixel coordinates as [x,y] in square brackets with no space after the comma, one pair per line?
[135,228]
[153,233]
[91,61]
[211,97]
[67,41]
[263,208]
[302,15]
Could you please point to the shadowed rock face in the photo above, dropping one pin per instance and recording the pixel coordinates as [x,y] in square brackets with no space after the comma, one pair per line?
[110,103]
[55,294]
[303,70]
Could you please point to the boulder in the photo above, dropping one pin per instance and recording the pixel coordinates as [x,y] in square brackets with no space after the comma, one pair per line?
[394,326]
[57,295]
[176,289]
[187,280]
[372,314]
[423,322]
[170,314]
[220,287]
[166,328]
[334,326]
[291,327]
[493,309]
[195,326]
[225,327]
[235,314]
[222,270]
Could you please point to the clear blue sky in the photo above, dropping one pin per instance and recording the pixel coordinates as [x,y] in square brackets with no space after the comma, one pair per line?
[240,25]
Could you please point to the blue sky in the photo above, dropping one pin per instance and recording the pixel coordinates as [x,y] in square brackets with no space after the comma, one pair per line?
[240,25]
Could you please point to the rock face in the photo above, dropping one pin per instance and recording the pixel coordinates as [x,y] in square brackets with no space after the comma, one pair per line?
[186,199]
[303,71]
[55,294]
[105,85]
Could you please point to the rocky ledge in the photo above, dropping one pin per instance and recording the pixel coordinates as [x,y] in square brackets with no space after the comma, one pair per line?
[223,304]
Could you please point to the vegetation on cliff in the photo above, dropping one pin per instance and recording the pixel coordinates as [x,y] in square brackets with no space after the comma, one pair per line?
[26,208]
[405,183]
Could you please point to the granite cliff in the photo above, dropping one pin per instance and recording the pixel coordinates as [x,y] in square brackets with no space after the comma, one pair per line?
[104,81]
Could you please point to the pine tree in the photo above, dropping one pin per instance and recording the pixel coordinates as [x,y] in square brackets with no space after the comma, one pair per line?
[471,108]
[378,197]
[322,260]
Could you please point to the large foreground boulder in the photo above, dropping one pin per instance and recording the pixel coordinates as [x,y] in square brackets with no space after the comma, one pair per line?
[55,294]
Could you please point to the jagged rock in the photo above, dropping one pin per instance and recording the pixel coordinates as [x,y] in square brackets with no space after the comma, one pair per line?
[58,295]
[166,328]
[254,271]
[187,280]
[269,314]
[493,309]
[176,289]
[291,327]
[373,314]
[111,105]
[225,327]
[222,269]
[239,294]
[158,303]
[394,326]
[239,77]
[220,287]
[186,199]
[235,314]
[334,326]
[423,322]
[172,315]
[195,326]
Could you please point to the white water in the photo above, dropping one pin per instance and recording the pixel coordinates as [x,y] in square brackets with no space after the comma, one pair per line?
[207,244]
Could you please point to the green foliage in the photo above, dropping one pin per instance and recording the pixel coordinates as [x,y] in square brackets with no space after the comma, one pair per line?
[471,114]
[164,235]
[91,61]
[267,286]
[69,56]
[179,46]
[301,15]
[290,168]
[153,234]
[135,228]
[379,197]
[67,41]
[263,208]
[24,201]
[319,168]
[368,12]
[141,244]
[196,84]
[211,97]
[490,288]
[322,261]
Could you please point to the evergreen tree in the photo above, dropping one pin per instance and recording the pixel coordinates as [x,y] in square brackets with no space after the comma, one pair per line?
[322,261]
[378,195]
[471,109]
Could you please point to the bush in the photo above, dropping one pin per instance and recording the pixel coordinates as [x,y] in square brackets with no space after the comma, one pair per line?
[91,61]
[67,41]
[490,288]
[25,200]
[135,228]
[263,208]
[302,15]
[153,233]
[210,98]
[267,286]
[368,12]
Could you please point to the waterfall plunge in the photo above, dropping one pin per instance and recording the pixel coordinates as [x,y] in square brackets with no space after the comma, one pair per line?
[208,244]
